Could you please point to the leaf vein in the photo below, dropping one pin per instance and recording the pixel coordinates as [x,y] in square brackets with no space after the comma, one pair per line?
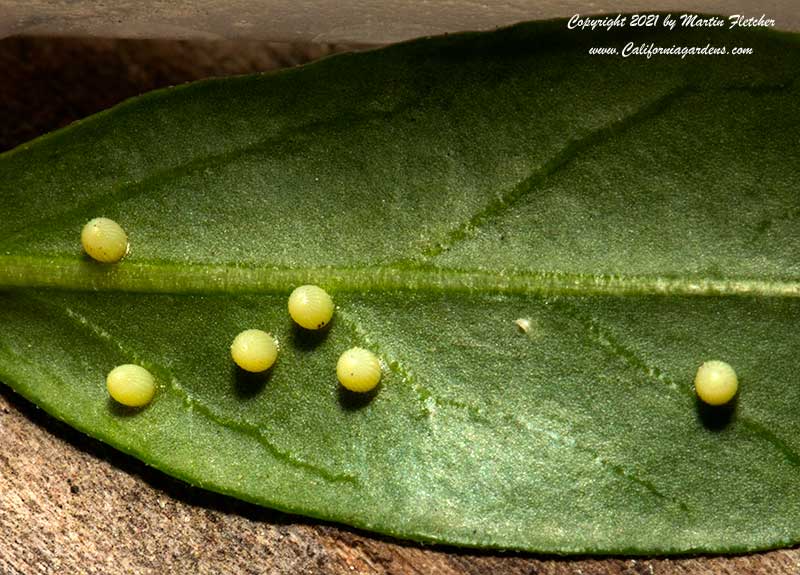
[483,416]
[157,180]
[165,375]
[160,277]
[569,152]
[605,341]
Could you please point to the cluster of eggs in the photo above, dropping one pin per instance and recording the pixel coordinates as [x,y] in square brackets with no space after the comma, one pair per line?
[253,350]
[310,307]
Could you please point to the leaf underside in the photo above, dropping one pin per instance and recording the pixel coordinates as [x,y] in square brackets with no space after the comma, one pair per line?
[641,214]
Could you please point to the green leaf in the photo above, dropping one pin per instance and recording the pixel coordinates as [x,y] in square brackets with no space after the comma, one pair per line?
[641,214]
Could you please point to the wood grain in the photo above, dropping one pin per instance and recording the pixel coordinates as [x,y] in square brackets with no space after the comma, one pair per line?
[69,504]
[325,21]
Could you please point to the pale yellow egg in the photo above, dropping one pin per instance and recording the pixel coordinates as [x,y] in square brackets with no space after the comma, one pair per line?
[104,240]
[254,350]
[358,370]
[131,385]
[311,307]
[716,382]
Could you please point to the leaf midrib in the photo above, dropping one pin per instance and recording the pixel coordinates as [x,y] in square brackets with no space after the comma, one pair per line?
[414,273]
[186,278]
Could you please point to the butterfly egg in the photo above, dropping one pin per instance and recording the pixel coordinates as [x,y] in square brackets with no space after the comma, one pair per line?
[254,350]
[358,370]
[131,385]
[716,382]
[104,240]
[311,307]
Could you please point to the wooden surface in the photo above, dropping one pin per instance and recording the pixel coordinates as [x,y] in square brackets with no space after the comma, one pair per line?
[69,504]
[370,21]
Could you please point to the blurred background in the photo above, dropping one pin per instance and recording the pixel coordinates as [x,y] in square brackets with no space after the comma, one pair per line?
[50,82]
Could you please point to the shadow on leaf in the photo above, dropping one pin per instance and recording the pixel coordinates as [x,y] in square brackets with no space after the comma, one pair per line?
[122,410]
[247,384]
[716,417]
[352,401]
[308,339]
